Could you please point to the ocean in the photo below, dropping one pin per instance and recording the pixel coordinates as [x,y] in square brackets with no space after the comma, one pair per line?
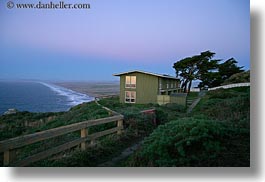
[38,97]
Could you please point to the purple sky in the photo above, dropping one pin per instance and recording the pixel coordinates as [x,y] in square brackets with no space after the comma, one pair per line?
[119,35]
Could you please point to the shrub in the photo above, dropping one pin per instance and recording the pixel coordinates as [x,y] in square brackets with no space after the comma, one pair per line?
[226,105]
[175,107]
[238,78]
[194,142]
[138,123]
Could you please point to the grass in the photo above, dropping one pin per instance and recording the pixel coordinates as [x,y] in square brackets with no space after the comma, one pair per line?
[192,95]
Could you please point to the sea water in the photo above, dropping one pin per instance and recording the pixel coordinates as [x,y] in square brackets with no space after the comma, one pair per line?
[38,97]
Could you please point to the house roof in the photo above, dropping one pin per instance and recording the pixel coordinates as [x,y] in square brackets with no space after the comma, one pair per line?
[148,73]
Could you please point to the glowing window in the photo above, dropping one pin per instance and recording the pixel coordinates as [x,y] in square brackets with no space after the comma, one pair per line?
[130,82]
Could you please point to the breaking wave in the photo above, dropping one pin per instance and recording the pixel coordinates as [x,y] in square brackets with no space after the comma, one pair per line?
[74,98]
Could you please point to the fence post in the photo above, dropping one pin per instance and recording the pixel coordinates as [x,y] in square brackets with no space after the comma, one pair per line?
[84,134]
[119,124]
[9,157]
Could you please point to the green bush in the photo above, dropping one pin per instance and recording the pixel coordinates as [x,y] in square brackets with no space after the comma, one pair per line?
[222,94]
[242,77]
[109,147]
[226,105]
[175,107]
[194,142]
[138,123]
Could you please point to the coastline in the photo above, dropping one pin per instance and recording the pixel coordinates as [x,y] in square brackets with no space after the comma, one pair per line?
[92,89]
[32,97]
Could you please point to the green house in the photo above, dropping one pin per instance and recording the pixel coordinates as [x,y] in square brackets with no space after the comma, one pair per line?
[143,87]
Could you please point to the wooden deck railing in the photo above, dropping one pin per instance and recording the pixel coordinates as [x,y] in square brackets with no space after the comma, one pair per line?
[9,147]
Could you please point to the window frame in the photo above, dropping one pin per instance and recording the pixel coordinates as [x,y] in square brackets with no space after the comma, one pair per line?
[130,97]
[129,85]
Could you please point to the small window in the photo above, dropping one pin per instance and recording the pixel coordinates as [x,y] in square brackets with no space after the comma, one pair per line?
[130,82]
[167,85]
[172,85]
[160,86]
[130,97]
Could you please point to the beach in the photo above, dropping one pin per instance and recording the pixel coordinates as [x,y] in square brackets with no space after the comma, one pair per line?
[92,89]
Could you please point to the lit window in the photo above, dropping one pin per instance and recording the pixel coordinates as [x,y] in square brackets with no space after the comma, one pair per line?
[130,82]
[130,97]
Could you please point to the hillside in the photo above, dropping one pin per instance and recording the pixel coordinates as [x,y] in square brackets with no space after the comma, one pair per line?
[136,125]
[217,133]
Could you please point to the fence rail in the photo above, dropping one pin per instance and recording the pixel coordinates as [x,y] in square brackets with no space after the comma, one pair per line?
[9,147]
[230,86]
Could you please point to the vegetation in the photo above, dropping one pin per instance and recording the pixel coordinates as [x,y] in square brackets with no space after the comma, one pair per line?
[137,126]
[192,95]
[222,73]
[232,105]
[105,150]
[164,113]
[21,123]
[242,77]
[25,122]
[216,134]
[191,68]
[203,67]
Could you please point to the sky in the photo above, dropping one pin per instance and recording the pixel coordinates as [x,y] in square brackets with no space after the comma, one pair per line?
[119,35]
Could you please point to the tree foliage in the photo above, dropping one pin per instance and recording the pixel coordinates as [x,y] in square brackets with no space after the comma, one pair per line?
[192,68]
[202,67]
[224,71]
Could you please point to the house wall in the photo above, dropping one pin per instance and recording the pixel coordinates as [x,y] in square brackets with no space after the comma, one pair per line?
[146,88]
[180,99]
[163,99]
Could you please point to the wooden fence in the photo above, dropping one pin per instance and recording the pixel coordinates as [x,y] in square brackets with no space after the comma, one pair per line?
[9,147]
[230,86]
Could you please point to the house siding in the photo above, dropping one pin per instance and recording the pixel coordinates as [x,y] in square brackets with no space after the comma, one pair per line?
[146,88]
[165,81]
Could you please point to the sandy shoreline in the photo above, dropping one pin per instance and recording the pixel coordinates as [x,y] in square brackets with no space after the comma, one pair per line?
[93,89]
